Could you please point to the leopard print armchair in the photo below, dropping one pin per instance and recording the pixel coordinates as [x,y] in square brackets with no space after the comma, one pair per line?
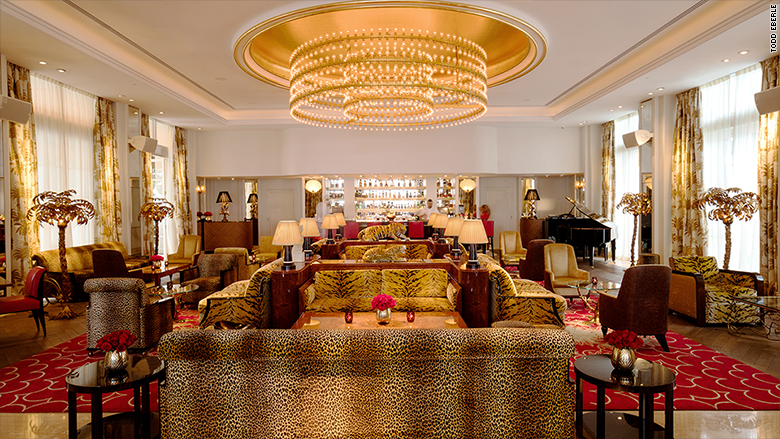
[122,303]
[213,272]
[411,383]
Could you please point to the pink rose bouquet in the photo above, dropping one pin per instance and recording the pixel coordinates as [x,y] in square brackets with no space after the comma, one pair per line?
[156,258]
[382,302]
[623,339]
[116,341]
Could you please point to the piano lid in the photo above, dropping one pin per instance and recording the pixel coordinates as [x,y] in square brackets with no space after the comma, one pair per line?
[595,216]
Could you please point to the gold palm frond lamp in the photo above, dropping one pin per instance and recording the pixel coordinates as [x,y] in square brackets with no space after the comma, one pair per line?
[727,208]
[156,209]
[60,209]
[635,204]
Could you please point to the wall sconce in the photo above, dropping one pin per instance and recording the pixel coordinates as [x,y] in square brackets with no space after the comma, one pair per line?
[454,227]
[224,198]
[579,184]
[252,201]
[308,230]
[200,189]
[473,233]
[532,195]
[287,235]
[330,223]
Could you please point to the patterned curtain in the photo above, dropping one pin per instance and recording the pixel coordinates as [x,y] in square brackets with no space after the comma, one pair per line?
[23,160]
[608,169]
[689,228]
[147,192]
[181,182]
[108,206]
[769,127]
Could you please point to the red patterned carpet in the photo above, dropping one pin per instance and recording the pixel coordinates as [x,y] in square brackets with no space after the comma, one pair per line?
[706,380]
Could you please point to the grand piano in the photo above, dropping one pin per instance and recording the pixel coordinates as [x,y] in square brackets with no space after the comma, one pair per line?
[589,232]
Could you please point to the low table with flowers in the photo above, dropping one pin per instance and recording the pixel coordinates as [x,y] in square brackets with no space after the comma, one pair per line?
[622,371]
[154,273]
[116,372]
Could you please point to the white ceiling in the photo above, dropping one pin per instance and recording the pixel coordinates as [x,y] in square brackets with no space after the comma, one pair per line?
[177,56]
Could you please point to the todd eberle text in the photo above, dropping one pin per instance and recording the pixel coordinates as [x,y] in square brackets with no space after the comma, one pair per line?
[773,28]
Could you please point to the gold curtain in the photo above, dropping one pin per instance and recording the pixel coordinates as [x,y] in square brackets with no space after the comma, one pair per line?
[608,169]
[23,160]
[768,128]
[181,183]
[108,205]
[689,228]
[147,192]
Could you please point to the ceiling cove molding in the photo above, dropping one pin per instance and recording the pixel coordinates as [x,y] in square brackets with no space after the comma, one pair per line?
[605,74]
[35,19]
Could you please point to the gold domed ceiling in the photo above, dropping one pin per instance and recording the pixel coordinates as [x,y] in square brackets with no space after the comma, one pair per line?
[389,64]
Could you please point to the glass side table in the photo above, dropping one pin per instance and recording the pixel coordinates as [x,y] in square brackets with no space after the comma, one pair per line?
[600,287]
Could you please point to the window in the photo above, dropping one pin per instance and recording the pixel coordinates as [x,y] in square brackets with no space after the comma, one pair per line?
[626,180]
[729,121]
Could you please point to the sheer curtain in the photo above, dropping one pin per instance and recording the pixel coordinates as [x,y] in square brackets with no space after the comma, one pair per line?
[730,135]
[162,181]
[626,180]
[64,123]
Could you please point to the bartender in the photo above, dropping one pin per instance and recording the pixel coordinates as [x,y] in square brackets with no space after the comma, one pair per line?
[426,212]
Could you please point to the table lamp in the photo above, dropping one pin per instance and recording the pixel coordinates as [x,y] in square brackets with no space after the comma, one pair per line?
[341,221]
[454,227]
[473,233]
[252,201]
[224,198]
[308,230]
[441,223]
[330,223]
[287,235]
[532,195]
[431,220]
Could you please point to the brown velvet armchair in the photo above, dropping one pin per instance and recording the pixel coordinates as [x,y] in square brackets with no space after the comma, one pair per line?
[532,267]
[642,304]
[111,263]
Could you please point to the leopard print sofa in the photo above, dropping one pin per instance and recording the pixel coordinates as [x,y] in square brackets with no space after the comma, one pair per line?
[410,383]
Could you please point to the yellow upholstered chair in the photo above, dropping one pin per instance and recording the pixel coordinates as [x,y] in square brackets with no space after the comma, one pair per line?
[189,247]
[560,267]
[266,251]
[246,266]
[510,247]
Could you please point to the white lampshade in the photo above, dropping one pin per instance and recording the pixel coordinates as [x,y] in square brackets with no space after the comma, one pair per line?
[340,219]
[432,218]
[309,227]
[287,233]
[454,226]
[440,222]
[468,185]
[313,186]
[330,222]
[473,232]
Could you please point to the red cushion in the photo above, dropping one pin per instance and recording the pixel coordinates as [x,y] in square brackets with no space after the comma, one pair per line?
[18,303]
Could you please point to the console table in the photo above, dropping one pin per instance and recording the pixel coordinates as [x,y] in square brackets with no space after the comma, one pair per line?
[216,234]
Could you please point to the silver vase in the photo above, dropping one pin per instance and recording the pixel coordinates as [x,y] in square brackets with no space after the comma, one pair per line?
[115,361]
[623,358]
[383,316]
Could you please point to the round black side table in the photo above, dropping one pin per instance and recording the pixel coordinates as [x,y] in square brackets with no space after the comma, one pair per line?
[92,379]
[646,380]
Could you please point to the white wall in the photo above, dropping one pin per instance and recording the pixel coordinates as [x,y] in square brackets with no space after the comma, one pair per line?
[536,151]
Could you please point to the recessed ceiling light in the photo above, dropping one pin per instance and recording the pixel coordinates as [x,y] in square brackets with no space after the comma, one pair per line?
[122,96]
[132,100]
[661,89]
[199,128]
[61,70]
[744,52]
[611,109]
[162,112]
[620,106]
[650,93]
[43,63]
[726,60]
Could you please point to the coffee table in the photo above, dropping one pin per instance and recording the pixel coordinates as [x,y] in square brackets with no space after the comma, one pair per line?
[92,378]
[768,308]
[367,320]
[646,380]
[174,292]
[600,287]
[155,274]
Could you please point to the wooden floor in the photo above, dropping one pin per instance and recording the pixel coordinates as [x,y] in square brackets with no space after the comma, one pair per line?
[19,339]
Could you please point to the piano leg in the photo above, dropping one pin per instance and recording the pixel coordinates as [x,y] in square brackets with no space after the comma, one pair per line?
[613,250]
[590,251]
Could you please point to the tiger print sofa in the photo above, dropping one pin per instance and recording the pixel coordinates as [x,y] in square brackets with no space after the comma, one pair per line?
[423,289]
[701,291]
[410,383]
[243,303]
[520,299]
[377,251]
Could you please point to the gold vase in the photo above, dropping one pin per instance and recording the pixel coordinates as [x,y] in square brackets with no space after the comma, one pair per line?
[383,316]
[115,361]
[623,358]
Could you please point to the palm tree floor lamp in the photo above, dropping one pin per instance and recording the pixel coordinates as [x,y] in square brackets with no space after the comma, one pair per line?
[726,208]
[59,209]
[156,209]
[635,204]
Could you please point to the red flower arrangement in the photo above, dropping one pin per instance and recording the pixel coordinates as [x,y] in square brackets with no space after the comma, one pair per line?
[116,341]
[156,258]
[382,302]
[207,213]
[623,339]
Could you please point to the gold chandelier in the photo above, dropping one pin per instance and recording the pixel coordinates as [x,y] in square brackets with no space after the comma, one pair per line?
[388,79]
